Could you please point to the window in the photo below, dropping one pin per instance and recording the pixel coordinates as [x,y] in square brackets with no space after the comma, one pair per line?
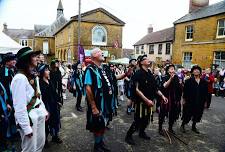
[142,49]
[219,58]
[99,36]
[187,59]
[151,49]
[168,47]
[24,42]
[137,50]
[160,49]
[221,28]
[45,47]
[189,33]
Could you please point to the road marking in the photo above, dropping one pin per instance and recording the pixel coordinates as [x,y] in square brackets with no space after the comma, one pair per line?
[74,115]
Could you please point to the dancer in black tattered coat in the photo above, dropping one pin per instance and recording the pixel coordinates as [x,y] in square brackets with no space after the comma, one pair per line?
[195,95]
[172,89]
[145,92]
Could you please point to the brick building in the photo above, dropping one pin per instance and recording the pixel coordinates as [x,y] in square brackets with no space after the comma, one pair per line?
[200,36]
[99,28]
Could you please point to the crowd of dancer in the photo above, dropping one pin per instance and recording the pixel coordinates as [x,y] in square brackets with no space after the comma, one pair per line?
[32,94]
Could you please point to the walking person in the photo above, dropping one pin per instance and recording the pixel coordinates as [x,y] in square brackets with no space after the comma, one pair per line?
[172,89]
[49,97]
[194,97]
[146,90]
[8,124]
[30,112]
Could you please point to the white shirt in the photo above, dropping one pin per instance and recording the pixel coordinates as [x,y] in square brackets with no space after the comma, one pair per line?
[22,92]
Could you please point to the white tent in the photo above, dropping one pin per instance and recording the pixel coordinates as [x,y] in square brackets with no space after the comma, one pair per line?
[8,45]
[120,61]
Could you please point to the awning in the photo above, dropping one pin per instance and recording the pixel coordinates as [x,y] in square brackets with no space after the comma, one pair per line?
[120,61]
[8,45]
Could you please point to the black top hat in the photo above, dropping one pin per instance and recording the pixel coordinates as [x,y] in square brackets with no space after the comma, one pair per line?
[8,57]
[54,61]
[142,58]
[196,67]
[132,60]
[25,53]
[168,66]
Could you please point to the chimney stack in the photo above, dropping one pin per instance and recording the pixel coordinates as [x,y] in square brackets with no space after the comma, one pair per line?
[197,4]
[5,26]
[150,29]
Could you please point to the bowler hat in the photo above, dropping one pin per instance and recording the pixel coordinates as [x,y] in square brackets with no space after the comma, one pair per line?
[41,68]
[25,53]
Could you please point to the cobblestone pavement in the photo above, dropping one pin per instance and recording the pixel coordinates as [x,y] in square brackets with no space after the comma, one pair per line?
[77,139]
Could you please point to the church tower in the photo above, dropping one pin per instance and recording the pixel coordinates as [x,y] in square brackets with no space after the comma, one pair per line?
[59,9]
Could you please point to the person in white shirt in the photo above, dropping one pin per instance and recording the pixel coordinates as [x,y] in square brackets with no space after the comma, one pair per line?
[120,83]
[65,75]
[30,112]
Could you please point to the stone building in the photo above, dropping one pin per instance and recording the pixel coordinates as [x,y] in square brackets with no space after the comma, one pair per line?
[44,39]
[41,38]
[200,36]
[99,28]
[157,45]
[24,37]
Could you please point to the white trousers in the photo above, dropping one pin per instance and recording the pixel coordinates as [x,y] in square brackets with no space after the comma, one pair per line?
[37,141]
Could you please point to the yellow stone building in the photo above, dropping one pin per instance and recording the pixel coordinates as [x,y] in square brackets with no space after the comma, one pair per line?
[200,37]
[99,28]
[41,38]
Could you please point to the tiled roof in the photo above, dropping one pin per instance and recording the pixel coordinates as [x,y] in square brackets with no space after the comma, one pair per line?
[165,35]
[127,53]
[207,11]
[51,29]
[39,28]
[19,33]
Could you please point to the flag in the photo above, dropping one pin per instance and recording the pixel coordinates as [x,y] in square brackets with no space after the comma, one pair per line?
[116,44]
[81,54]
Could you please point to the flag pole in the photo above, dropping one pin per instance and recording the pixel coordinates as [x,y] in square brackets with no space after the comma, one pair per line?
[79,31]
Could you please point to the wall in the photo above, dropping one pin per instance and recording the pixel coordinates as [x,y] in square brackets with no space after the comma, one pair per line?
[204,43]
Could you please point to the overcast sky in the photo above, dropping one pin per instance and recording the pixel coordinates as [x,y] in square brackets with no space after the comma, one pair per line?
[137,14]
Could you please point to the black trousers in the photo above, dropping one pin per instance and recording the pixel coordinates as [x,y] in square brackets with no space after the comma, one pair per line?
[209,99]
[79,97]
[139,124]
[172,117]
